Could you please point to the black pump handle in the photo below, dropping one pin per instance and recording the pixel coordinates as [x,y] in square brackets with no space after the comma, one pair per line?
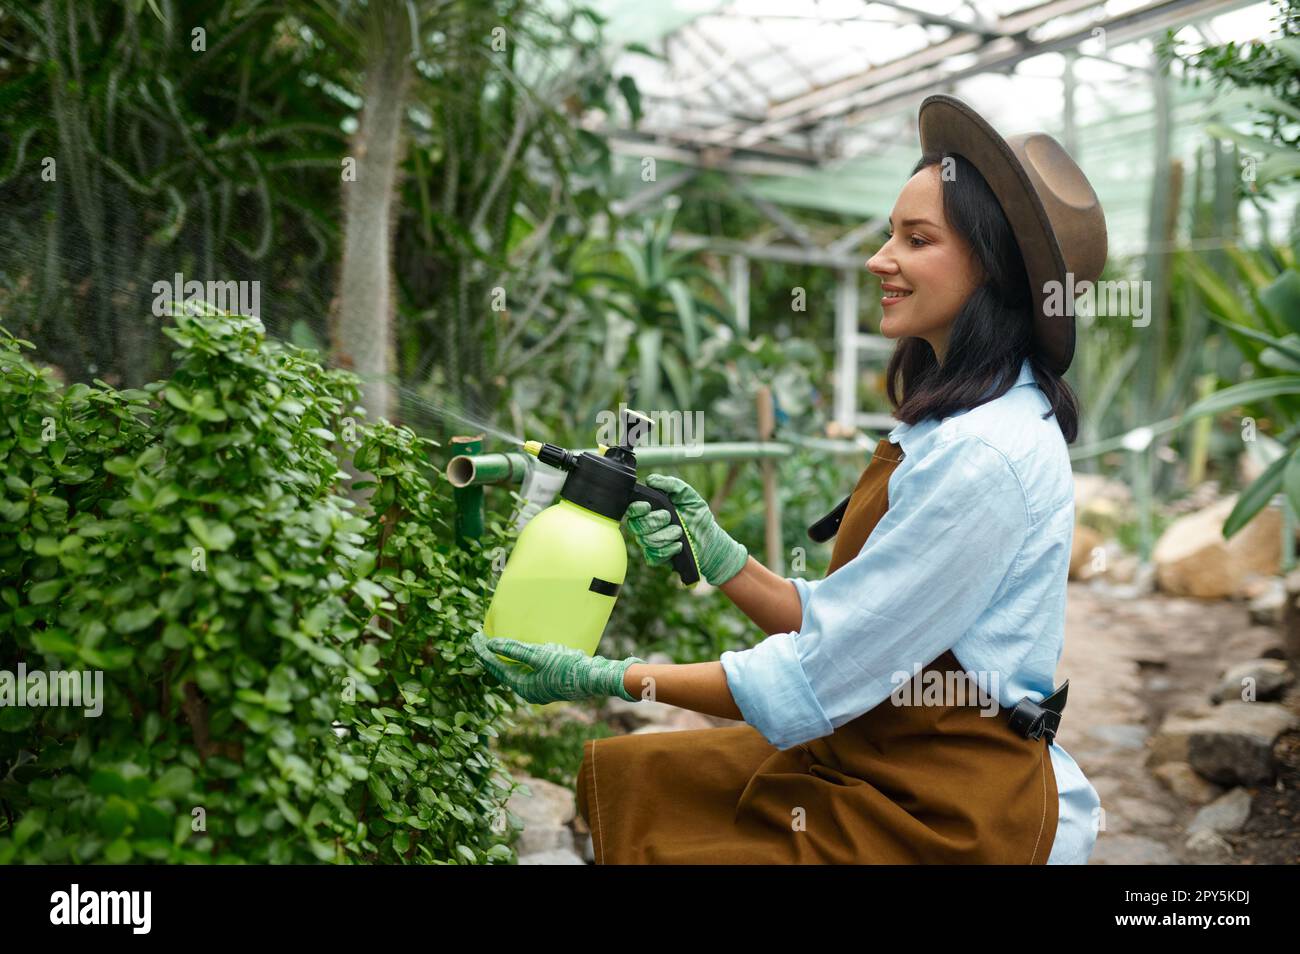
[684,562]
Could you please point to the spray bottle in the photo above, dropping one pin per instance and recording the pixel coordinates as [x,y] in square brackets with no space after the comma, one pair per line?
[563,576]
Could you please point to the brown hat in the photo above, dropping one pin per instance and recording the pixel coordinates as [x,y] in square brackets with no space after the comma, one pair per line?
[1052,209]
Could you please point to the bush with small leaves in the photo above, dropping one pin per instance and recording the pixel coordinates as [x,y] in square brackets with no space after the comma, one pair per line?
[285,674]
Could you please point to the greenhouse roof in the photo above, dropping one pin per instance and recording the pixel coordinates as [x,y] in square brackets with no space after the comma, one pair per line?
[813,104]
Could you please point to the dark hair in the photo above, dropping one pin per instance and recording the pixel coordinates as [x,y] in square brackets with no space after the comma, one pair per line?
[992,333]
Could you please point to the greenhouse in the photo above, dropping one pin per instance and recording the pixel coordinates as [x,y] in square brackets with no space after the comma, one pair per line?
[607,432]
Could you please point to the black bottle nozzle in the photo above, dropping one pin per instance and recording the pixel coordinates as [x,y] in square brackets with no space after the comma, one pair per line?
[551,454]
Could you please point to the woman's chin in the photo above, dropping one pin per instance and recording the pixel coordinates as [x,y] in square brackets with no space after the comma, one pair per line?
[892,327]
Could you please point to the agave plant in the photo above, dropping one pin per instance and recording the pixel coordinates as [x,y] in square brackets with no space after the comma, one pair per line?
[1265,326]
[665,296]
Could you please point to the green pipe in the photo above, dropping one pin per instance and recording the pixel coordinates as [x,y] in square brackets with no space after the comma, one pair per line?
[468,500]
[475,470]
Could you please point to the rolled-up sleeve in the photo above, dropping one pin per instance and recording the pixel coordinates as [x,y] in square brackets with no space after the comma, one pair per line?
[957,519]
[805,589]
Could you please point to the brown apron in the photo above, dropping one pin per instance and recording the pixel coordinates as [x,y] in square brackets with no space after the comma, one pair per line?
[900,784]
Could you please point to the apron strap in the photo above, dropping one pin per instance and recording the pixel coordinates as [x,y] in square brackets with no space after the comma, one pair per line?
[1033,720]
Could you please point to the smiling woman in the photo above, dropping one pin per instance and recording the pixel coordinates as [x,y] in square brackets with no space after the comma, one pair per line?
[951,558]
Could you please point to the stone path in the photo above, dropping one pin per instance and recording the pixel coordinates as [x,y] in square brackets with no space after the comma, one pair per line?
[1131,662]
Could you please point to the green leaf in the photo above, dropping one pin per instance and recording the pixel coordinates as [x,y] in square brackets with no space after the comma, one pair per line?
[383,794]
[54,642]
[120,466]
[114,816]
[1282,297]
[1248,392]
[1255,497]
[187,435]
[212,535]
[176,397]
[118,852]
[134,620]
[44,591]
[176,782]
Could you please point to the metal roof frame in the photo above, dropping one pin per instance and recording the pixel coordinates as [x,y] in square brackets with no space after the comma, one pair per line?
[805,129]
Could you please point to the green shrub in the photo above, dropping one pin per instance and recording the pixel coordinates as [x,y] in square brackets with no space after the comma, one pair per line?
[547,743]
[286,675]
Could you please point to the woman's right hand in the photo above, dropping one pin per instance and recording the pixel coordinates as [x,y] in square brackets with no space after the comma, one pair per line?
[719,556]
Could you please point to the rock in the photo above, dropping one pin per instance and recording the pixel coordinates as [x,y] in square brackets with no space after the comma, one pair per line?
[547,803]
[1254,642]
[1291,617]
[1119,736]
[1208,848]
[1224,815]
[1123,568]
[1092,558]
[1107,787]
[1259,680]
[535,838]
[1104,515]
[1170,742]
[1086,553]
[636,714]
[1267,607]
[1142,582]
[555,856]
[1090,489]
[1234,744]
[1137,812]
[1254,585]
[1130,850]
[545,813]
[587,848]
[1193,559]
[1181,779]
[1199,497]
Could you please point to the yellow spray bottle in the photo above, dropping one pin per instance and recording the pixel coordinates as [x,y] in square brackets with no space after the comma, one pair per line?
[568,564]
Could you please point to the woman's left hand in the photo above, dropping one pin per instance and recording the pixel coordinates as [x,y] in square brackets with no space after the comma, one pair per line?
[550,672]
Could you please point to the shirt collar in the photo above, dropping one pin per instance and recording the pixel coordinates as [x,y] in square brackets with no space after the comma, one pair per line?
[904,434]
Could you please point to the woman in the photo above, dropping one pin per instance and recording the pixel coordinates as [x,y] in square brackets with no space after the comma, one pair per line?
[901,709]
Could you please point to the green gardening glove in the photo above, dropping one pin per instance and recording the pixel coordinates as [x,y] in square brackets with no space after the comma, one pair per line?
[720,557]
[549,672]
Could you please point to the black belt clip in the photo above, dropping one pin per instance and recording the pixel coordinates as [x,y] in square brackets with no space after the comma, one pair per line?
[1033,720]
[829,525]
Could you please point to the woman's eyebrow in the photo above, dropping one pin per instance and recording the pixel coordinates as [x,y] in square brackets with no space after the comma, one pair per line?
[907,222]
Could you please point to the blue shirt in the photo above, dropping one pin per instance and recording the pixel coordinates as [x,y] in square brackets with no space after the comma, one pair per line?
[972,555]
